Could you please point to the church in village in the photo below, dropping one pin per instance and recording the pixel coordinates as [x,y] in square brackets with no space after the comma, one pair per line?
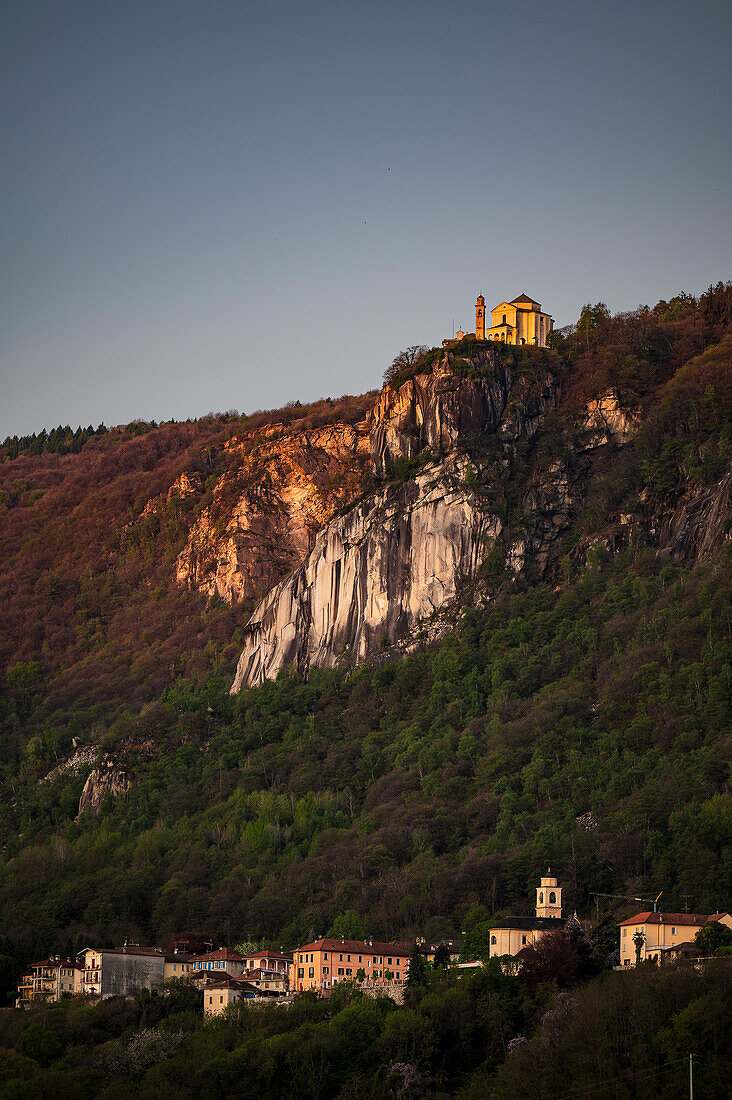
[520,321]
[513,934]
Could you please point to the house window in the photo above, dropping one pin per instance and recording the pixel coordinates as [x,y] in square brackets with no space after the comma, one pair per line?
[348,958]
[389,961]
[340,969]
[348,970]
[340,957]
[673,931]
[360,959]
[301,972]
[311,972]
[625,931]
[325,969]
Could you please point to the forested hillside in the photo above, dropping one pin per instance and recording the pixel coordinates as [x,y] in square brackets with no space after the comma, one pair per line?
[577,716]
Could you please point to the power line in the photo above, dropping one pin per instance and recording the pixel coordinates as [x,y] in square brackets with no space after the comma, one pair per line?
[588,1089]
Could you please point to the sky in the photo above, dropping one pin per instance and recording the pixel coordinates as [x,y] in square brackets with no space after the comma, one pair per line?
[214,205]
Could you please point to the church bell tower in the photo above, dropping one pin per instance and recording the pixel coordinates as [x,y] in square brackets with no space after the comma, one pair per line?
[548,896]
[480,318]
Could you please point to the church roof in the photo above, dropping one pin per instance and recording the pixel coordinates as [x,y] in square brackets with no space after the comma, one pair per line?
[525,298]
[531,924]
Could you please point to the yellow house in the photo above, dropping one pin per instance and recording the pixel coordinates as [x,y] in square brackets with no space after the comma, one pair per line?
[218,996]
[177,966]
[661,931]
[520,321]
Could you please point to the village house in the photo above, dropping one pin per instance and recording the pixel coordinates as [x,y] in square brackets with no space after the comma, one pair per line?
[448,949]
[270,981]
[109,973]
[520,321]
[269,960]
[657,933]
[49,980]
[202,979]
[219,995]
[223,959]
[512,934]
[177,965]
[327,962]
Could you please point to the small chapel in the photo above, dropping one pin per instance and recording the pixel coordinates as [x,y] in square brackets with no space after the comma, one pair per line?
[520,321]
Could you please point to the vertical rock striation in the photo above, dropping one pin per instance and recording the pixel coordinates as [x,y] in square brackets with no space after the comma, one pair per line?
[372,576]
[397,559]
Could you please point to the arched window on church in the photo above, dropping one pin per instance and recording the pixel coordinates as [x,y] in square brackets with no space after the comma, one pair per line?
[552,898]
[494,940]
[541,898]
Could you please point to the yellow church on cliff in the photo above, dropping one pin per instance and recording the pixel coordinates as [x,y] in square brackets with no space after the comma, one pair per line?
[520,321]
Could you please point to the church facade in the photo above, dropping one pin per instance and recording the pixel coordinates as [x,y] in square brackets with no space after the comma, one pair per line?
[520,321]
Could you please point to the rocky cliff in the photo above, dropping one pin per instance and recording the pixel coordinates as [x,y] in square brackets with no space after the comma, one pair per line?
[433,411]
[373,576]
[108,778]
[476,460]
[393,563]
[268,506]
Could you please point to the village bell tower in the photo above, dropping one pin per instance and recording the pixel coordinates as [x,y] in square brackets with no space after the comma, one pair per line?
[548,896]
[480,318]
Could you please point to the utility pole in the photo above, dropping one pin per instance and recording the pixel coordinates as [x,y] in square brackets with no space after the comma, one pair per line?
[691,1077]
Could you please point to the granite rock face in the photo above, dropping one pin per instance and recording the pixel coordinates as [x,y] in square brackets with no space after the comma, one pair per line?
[267,508]
[372,577]
[435,410]
[108,777]
[393,563]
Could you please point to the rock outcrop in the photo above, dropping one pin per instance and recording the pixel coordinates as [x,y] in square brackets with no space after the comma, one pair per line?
[608,422]
[700,524]
[108,777]
[268,506]
[435,410]
[395,561]
[372,577]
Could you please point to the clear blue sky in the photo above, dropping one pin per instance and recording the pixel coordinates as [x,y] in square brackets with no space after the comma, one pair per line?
[218,204]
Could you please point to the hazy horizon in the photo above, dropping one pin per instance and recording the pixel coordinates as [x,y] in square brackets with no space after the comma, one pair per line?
[233,206]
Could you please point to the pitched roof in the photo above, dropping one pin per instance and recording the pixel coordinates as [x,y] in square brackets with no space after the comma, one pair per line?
[131,951]
[224,953]
[694,919]
[209,977]
[524,298]
[234,983]
[530,924]
[269,955]
[66,963]
[358,947]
